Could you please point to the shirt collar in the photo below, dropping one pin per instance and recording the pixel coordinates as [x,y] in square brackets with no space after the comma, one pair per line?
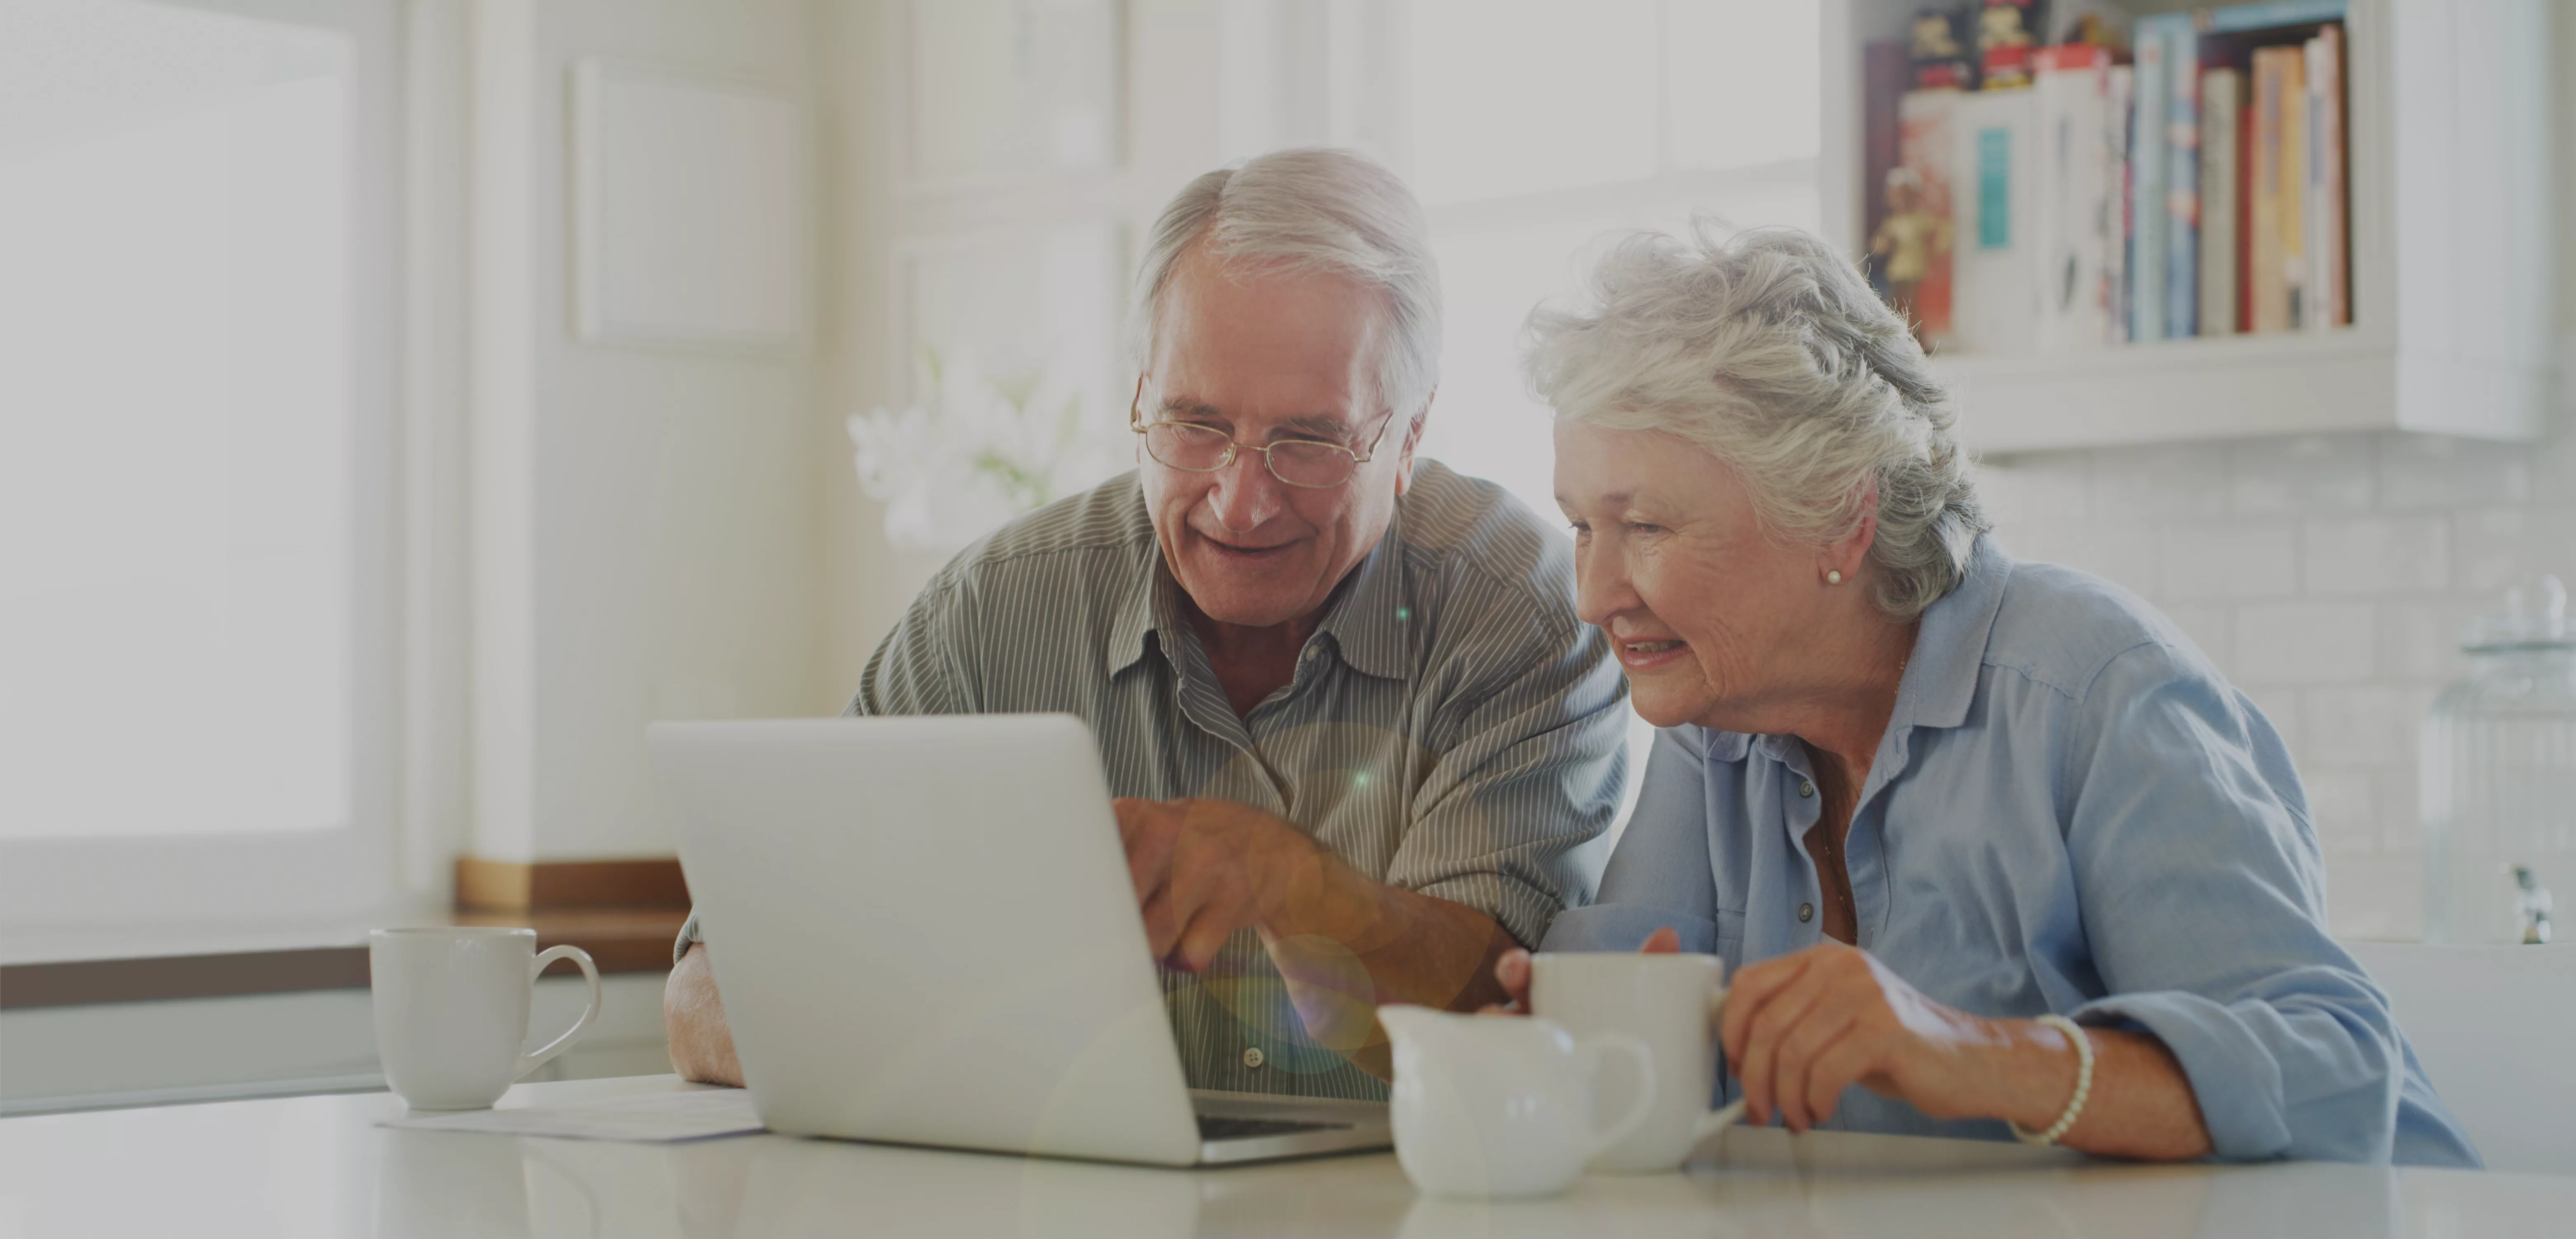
[1950,650]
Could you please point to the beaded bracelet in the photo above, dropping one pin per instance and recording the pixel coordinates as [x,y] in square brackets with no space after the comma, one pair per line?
[2083,1084]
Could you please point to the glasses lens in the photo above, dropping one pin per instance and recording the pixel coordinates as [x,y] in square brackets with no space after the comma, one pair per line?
[1300,463]
[1183,446]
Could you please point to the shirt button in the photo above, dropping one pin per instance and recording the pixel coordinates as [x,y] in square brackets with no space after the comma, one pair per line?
[1806,789]
[1806,912]
[1252,1056]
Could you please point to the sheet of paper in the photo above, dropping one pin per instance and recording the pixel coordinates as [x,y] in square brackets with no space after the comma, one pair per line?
[657,1118]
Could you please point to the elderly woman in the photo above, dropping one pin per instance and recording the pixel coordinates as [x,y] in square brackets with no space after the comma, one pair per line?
[1943,814]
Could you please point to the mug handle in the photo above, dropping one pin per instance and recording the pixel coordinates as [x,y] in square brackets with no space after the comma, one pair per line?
[1589,1053]
[590,973]
[1726,1115]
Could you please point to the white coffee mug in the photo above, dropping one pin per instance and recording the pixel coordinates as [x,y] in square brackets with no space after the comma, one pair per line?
[1490,1106]
[1668,1002]
[452,1009]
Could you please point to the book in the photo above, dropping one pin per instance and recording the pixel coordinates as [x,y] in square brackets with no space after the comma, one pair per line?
[2267,291]
[1924,150]
[2245,154]
[2148,167]
[2294,185]
[2329,288]
[2075,228]
[2180,49]
[2119,105]
[2220,94]
[1994,262]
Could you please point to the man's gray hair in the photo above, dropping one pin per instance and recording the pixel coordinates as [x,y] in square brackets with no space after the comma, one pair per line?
[1309,209]
[1770,351]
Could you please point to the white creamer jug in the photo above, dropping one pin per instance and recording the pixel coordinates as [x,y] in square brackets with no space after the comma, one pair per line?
[1489,1105]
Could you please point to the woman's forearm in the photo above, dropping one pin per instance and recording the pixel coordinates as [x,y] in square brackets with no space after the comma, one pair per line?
[2141,1104]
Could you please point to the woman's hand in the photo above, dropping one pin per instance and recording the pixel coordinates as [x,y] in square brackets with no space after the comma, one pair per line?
[1513,969]
[1801,1028]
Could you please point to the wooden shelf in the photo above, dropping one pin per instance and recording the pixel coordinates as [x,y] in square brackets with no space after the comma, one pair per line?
[2454,306]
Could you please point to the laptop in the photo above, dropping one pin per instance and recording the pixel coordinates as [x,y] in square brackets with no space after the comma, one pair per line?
[925,933]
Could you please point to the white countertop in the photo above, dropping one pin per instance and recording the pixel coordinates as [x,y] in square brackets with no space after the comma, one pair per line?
[318,1166]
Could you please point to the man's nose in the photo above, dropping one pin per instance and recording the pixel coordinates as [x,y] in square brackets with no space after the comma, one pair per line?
[1245,494]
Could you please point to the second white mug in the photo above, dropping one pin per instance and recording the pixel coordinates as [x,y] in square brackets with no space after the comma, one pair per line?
[451,1007]
[1669,1002]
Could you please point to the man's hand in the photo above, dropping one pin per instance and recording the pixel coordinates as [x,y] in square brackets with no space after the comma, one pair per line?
[1343,943]
[693,1016]
[1206,868]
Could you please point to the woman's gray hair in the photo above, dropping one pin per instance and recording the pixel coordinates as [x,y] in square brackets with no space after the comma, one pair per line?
[1770,351]
[1309,209]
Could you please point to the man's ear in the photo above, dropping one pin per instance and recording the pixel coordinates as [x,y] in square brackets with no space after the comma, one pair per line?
[1412,440]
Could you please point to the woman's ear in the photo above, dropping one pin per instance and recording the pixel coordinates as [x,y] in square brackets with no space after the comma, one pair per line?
[1844,557]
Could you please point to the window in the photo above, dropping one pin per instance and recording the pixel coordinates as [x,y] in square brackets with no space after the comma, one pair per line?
[194,427]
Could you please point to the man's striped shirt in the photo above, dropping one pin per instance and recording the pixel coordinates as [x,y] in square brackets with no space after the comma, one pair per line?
[1451,729]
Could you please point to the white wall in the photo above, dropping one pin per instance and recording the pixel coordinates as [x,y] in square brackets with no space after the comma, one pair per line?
[645,535]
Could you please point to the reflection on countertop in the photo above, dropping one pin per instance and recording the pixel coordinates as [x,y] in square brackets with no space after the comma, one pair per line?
[319,1166]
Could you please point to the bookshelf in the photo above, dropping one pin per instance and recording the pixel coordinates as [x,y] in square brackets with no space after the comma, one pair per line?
[2452,255]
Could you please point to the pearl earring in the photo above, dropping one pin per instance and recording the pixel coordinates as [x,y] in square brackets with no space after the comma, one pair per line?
[1833,576]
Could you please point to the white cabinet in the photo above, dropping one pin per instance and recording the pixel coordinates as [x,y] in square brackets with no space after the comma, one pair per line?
[2453,235]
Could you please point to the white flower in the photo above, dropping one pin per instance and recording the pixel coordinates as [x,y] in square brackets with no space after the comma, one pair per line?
[982,452]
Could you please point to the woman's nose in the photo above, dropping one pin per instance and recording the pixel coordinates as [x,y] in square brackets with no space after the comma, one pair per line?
[1601,586]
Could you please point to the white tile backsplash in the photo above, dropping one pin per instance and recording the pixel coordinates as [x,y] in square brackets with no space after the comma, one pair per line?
[2329,576]
[2375,556]
[2305,643]
[2207,561]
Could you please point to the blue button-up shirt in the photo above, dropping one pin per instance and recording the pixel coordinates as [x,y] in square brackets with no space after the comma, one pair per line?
[2071,811]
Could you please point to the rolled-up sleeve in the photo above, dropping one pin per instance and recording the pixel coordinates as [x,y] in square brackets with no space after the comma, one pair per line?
[1659,877]
[2202,897]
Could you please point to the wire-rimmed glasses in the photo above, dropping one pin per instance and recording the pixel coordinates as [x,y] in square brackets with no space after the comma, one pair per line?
[1195,448]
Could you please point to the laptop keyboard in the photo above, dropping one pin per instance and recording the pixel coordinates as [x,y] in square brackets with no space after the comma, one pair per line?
[1214,1127]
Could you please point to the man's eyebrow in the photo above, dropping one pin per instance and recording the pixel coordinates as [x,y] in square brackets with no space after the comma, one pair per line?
[1317,426]
[1183,407]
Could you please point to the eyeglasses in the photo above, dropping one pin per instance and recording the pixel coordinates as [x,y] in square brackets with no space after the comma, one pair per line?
[1194,448]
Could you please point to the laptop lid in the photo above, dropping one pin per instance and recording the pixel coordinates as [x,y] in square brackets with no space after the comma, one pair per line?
[924,931]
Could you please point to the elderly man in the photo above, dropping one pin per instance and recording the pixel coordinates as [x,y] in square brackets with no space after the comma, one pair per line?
[1355,725]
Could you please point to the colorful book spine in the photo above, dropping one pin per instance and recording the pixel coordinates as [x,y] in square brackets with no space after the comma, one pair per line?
[2267,292]
[2181,46]
[2294,186]
[2120,104]
[2148,169]
[2329,287]
[2220,96]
